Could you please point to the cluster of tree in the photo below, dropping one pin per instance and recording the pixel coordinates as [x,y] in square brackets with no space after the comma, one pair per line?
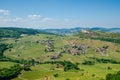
[115,76]
[114,40]
[88,62]
[67,65]
[8,33]
[6,74]
[102,60]
[103,36]
[56,75]
[3,58]
[3,47]
[13,71]
[25,63]
[16,32]
[30,62]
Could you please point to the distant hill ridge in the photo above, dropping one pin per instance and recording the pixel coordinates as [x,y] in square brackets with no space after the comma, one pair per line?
[16,32]
[13,32]
[79,29]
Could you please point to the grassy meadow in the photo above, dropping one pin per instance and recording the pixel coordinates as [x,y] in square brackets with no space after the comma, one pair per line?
[93,72]
[31,47]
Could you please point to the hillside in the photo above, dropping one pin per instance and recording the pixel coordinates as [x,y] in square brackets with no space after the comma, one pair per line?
[12,32]
[98,35]
[52,57]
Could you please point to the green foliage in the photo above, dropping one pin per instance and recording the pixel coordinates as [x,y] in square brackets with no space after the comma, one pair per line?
[6,74]
[31,50]
[88,63]
[55,75]
[102,60]
[103,36]
[16,32]
[115,76]
[67,79]
[26,68]
[109,68]
[8,33]
[31,62]
[114,40]
[26,63]
[67,64]
[3,47]
[93,75]
[105,47]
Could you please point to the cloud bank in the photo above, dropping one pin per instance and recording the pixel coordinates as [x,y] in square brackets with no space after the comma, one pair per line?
[34,21]
[41,22]
[4,12]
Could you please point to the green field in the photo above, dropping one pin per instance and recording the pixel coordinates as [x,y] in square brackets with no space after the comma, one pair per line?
[39,72]
[6,64]
[28,47]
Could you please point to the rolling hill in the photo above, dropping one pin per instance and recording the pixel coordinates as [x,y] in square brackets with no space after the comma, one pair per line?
[88,55]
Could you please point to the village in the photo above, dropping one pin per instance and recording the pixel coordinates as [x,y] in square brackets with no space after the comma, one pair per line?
[73,48]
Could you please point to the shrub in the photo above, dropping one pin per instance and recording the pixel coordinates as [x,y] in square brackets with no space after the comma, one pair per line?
[115,76]
[93,75]
[109,68]
[88,63]
[55,75]
[10,73]
[67,79]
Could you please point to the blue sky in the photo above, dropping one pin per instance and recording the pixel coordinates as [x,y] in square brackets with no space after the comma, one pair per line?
[59,13]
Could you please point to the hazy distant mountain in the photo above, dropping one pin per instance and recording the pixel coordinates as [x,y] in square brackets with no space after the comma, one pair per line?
[12,31]
[63,31]
[78,29]
[116,30]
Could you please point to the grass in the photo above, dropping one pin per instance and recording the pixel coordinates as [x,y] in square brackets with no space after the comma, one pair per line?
[6,64]
[27,48]
[40,71]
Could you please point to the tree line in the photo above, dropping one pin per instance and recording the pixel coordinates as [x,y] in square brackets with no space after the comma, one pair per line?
[103,60]
[11,32]
[4,47]
[67,65]
[103,36]
[9,73]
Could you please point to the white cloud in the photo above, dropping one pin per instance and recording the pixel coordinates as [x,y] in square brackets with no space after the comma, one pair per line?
[17,19]
[34,16]
[37,21]
[48,19]
[4,12]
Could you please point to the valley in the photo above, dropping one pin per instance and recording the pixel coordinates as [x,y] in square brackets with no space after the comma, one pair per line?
[45,56]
